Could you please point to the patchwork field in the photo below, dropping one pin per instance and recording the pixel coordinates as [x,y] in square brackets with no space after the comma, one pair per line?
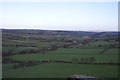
[59,54]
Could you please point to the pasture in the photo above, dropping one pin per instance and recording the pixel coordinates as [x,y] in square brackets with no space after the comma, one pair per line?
[68,55]
[63,70]
[45,45]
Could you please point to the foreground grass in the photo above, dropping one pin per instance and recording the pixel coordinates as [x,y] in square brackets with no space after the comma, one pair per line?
[0,70]
[63,70]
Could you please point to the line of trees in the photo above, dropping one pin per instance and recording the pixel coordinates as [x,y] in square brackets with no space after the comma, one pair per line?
[25,64]
[30,51]
[89,60]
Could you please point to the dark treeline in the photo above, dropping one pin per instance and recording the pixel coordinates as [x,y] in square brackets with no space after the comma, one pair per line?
[20,64]
[56,32]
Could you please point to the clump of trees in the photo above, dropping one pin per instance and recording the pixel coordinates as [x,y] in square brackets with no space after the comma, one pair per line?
[30,51]
[54,47]
[9,60]
[7,52]
[6,60]
[25,64]
[86,41]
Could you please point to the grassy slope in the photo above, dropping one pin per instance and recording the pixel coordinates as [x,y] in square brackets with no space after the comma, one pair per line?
[112,51]
[62,70]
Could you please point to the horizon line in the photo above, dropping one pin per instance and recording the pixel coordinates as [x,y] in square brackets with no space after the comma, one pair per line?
[62,30]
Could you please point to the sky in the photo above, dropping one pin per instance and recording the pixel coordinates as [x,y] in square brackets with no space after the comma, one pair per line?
[78,16]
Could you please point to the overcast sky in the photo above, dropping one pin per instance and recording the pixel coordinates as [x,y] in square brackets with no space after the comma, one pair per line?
[100,16]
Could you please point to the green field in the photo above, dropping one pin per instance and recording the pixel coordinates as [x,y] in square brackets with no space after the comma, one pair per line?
[76,51]
[112,51]
[68,54]
[7,66]
[62,70]
[25,47]
[99,44]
